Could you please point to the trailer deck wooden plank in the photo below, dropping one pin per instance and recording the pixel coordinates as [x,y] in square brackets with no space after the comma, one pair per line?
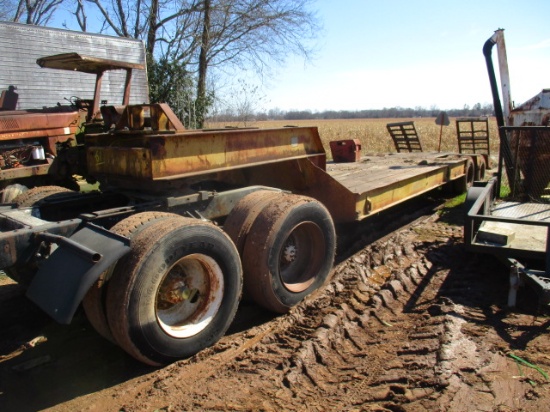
[373,173]
[378,182]
[384,177]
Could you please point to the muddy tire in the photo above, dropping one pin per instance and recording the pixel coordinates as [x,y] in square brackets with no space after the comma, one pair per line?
[34,196]
[288,252]
[481,168]
[94,301]
[176,292]
[461,185]
[238,223]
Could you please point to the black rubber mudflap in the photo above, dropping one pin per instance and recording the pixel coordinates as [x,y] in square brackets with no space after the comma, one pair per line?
[64,278]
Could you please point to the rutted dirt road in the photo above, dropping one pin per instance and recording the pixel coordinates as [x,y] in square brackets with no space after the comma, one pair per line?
[410,322]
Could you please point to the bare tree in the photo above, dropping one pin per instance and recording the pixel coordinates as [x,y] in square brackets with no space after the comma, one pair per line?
[260,32]
[7,8]
[37,12]
[154,21]
[80,15]
[252,33]
[201,102]
[204,34]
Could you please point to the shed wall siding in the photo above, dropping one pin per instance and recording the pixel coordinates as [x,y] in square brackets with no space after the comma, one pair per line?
[23,44]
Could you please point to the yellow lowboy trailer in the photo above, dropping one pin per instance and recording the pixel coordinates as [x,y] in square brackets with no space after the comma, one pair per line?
[290,158]
[186,220]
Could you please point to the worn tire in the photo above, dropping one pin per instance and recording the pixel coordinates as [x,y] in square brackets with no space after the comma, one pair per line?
[459,186]
[288,252]
[94,301]
[481,169]
[238,223]
[176,292]
[34,196]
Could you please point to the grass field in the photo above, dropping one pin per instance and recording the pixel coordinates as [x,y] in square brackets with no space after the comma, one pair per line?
[373,135]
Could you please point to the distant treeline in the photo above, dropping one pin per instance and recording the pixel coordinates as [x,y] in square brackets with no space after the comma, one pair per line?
[476,110]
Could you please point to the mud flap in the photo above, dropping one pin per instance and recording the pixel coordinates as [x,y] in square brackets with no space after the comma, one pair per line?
[64,278]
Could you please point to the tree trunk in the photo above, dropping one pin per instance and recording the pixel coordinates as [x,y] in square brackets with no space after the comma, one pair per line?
[200,104]
[152,31]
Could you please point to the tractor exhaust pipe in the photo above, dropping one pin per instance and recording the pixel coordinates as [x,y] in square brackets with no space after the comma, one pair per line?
[502,116]
[487,49]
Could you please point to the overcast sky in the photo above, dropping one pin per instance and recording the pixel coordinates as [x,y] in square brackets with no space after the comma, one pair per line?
[408,53]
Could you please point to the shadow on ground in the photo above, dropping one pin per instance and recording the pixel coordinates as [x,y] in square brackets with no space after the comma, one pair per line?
[43,364]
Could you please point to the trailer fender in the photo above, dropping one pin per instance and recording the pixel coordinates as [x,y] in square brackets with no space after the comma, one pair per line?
[64,278]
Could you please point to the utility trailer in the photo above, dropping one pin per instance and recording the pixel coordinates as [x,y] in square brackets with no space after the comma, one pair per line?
[187,221]
[509,215]
[517,232]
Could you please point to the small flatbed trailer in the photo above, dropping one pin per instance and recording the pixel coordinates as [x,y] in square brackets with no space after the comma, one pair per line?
[187,221]
[509,215]
[516,227]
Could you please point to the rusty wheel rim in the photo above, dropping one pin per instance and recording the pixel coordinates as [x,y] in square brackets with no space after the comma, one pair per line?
[189,296]
[301,256]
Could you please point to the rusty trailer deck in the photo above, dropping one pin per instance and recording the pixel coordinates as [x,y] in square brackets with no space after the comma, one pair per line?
[378,182]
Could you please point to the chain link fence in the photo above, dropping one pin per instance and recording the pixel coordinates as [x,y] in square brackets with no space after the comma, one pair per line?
[525,164]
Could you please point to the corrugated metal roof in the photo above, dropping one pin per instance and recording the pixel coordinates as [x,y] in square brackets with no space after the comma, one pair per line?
[535,111]
[23,44]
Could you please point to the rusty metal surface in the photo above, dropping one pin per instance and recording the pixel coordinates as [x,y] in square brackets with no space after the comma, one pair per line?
[344,151]
[157,117]
[473,135]
[29,124]
[528,164]
[154,156]
[288,158]
[17,237]
[534,112]
[405,137]
[25,171]
[28,140]
[84,63]
[379,182]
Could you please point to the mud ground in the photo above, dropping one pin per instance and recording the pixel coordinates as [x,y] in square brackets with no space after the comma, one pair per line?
[408,322]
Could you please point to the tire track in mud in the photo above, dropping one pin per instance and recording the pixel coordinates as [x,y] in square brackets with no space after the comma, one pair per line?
[380,361]
[394,330]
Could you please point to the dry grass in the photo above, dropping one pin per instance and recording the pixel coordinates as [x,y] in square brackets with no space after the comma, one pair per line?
[373,135]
